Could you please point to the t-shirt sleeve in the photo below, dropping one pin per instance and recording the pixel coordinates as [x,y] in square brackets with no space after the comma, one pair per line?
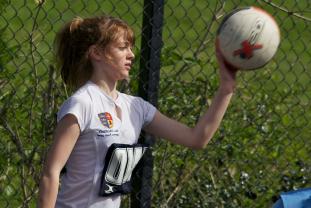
[148,111]
[78,107]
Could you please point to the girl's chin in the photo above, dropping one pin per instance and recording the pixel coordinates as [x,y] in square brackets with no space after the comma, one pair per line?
[124,77]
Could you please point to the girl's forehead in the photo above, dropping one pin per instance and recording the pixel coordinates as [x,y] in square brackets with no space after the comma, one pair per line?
[122,39]
[123,36]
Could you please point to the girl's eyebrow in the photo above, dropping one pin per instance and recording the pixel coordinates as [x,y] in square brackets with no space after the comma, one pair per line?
[126,43]
[123,42]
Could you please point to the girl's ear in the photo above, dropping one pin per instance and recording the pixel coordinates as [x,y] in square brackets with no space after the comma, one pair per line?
[95,53]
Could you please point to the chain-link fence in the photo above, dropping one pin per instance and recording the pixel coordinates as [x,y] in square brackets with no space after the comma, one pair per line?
[261,149]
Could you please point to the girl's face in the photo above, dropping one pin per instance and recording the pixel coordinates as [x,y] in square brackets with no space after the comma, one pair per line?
[119,57]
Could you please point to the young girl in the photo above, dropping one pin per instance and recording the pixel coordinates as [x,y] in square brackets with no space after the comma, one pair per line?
[98,127]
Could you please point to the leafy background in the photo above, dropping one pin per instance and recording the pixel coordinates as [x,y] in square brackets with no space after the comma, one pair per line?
[261,149]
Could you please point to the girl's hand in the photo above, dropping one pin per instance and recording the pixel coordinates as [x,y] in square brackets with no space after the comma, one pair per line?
[227,73]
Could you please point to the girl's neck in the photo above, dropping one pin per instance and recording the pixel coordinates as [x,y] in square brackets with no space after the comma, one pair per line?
[109,88]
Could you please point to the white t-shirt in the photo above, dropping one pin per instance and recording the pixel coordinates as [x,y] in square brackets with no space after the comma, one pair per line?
[100,127]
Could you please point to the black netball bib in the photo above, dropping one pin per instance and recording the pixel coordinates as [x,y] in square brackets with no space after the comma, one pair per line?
[121,159]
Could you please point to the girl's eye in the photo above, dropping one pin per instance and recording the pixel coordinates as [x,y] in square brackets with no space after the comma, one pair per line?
[126,47]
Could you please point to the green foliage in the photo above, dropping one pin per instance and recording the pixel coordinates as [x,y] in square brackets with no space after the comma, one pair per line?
[260,150]
[6,52]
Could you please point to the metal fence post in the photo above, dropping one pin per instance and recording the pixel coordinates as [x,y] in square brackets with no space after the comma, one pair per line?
[151,45]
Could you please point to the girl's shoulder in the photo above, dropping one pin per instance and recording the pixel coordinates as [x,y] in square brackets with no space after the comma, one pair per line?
[135,102]
[82,96]
[130,98]
[85,94]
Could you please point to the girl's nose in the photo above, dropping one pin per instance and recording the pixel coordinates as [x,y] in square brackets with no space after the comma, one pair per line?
[131,54]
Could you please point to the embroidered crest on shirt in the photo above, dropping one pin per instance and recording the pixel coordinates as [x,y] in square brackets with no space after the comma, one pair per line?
[106,119]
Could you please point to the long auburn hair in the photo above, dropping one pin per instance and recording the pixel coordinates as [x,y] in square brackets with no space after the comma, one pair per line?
[73,41]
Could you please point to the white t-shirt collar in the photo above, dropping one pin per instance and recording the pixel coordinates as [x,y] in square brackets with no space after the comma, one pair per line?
[109,98]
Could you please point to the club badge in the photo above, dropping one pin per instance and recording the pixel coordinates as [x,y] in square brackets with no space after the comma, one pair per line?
[106,119]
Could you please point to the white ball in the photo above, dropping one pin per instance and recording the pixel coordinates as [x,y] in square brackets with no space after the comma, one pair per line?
[248,38]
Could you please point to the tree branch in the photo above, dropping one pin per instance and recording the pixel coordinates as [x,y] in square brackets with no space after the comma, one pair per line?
[269,2]
[216,15]
[32,49]
[182,182]
[15,138]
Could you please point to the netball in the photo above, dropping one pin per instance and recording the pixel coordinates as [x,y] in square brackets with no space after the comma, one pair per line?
[248,38]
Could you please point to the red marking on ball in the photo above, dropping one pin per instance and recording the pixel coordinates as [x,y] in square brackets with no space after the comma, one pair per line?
[247,49]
